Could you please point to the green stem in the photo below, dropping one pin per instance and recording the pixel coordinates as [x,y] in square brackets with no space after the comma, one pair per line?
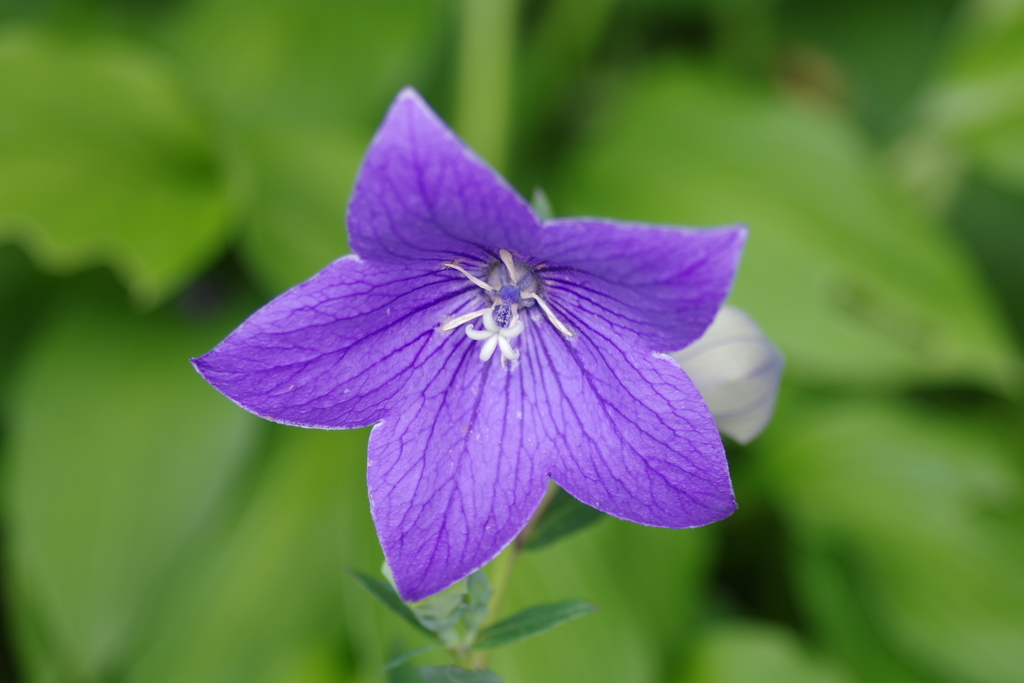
[485,76]
[505,564]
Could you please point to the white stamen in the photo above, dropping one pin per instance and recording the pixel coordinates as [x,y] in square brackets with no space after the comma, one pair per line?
[487,350]
[455,322]
[559,325]
[472,278]
[495,337]
[506,258]
[478,335]
[513,330]
[506,348]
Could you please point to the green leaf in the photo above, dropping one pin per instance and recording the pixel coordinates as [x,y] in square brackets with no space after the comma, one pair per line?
[23,296]
[531,622]
[912,516]
[104,161]
[300,88]
[265,596]
[120,458]
[990,220]
[841,618]
[297,224]
[855,284]
[975,109]
[406,656]
[872,58]
[749,651]
[649,583]
[453,674]
[564,515]
[383,591]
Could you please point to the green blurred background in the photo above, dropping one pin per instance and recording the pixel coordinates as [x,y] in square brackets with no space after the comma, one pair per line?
[168,165]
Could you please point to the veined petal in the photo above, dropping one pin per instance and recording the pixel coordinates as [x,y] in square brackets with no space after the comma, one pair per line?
[334,351]
[665,283]
[423,195]
[455,471]
[628,432]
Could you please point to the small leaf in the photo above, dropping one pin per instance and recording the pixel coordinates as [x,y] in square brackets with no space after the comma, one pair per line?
[406,656]
[453,674]
[532,621]
[565,515]
[387,595]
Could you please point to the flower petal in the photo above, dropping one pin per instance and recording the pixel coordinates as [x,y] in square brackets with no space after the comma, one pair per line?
[737,370]
[422,194]
[667,283]
[630,433]
[334,351]
[453,473]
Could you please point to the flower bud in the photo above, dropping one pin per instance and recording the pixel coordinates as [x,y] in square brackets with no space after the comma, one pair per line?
[737,370]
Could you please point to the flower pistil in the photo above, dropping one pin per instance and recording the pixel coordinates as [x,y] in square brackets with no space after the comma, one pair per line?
[510,285]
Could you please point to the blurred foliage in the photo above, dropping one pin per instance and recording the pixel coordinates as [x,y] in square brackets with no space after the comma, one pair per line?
[165,165]
[104,161]
[892,299]
[296,91]
[739,652]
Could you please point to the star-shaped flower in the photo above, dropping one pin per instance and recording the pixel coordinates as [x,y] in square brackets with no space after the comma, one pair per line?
[582,312]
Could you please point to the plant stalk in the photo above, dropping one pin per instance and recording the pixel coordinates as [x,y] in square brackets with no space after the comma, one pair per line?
[505,564]
[485,76]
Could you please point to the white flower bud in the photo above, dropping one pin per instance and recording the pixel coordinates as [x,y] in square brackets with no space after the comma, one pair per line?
[737,370]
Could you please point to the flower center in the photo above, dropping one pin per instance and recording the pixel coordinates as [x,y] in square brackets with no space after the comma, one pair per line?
[509,286]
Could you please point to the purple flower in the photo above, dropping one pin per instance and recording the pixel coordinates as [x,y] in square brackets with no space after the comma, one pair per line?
[492,352]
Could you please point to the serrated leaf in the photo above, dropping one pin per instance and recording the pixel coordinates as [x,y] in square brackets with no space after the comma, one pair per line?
[854,282]
[564,515]
[383,591]
[453,674]
[104,161]
[531,622]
